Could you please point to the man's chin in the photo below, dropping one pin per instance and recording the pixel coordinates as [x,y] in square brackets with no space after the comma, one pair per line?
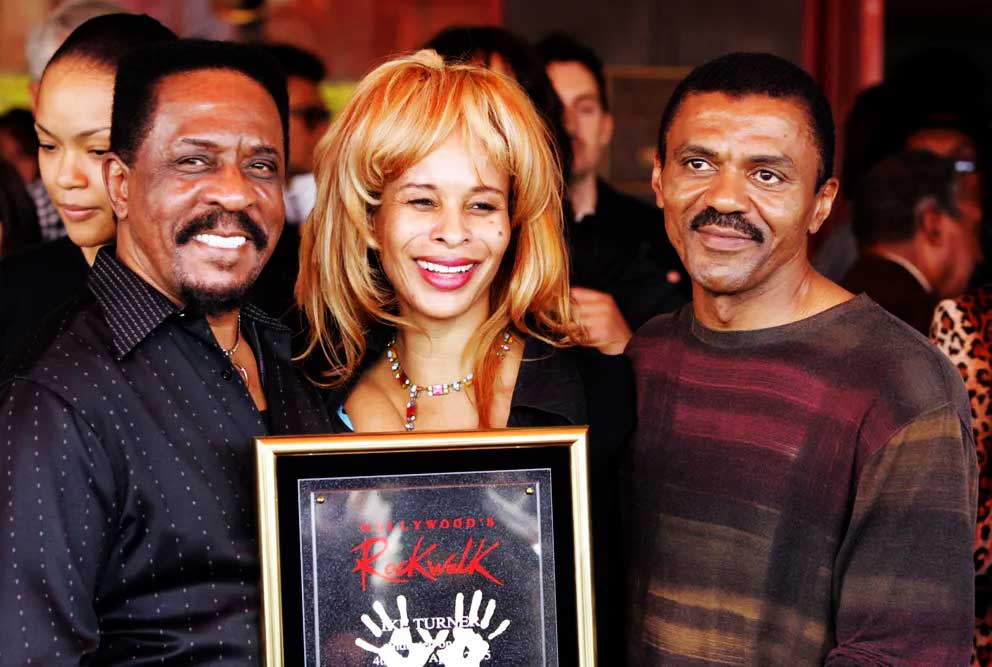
[213,301]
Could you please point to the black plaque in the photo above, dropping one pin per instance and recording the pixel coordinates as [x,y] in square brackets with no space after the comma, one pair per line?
[412,550]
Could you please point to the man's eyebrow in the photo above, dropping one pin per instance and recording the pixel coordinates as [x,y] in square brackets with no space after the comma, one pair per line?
[264,149]
[586,97]
[79,135]
[782,161]
[199,143]
[695,150]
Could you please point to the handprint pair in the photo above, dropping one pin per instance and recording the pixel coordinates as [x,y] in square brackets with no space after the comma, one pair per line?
[467,647]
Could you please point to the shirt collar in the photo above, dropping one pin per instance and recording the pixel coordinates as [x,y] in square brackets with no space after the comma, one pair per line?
[910,268]
[133,308]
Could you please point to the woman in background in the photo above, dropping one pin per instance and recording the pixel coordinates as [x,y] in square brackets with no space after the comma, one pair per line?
[435,275]
[960,329]
[72,118]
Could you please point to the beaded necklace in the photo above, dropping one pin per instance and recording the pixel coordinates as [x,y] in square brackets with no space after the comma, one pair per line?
[443,389]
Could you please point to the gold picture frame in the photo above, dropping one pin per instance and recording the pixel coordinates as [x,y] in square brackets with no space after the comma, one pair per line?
[307,484]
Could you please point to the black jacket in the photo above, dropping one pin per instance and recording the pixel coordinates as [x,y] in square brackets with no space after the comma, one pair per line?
[33,283]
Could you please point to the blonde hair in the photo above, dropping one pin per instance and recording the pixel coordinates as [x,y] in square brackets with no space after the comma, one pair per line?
[401,112]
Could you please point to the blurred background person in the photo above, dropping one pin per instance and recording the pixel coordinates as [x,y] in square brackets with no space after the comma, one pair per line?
[617,286]
[72,118]
[918,227]
[44,39]
[576,73]
[308,120]
[18,221]
[19,145]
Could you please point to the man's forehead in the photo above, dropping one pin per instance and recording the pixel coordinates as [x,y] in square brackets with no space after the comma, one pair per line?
[219,106]
[749,118]
[573,76]
[214,86]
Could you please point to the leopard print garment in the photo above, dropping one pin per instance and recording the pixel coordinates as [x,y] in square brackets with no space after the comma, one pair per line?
[961,328]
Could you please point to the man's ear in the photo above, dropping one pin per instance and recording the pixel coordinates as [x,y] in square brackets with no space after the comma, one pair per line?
[823,204]
[656,173]
[606,129]
[116,175]
[930,222]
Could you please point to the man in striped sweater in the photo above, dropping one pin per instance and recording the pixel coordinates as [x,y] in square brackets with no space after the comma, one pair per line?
[802,482]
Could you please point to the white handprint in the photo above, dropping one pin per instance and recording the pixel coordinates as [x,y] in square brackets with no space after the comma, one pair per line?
[468,647]
[401,640]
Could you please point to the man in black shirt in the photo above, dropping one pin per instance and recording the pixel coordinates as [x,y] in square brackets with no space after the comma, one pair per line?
[620,252]
[126,425]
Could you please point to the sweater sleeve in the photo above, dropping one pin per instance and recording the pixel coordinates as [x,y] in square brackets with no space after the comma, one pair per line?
[904,580]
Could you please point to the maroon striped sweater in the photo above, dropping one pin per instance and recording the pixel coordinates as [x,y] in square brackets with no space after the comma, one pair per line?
[800,495]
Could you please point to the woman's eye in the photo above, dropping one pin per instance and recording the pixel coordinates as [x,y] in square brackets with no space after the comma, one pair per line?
[422,202]
[48,148]
[483,206]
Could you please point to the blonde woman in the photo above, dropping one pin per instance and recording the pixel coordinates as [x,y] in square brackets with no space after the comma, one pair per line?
[435,276]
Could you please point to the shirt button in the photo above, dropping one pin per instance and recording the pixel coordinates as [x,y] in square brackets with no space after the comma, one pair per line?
[227,374]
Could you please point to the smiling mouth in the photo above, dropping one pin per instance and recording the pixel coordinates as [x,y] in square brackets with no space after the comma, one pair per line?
[224,242]
[442,268]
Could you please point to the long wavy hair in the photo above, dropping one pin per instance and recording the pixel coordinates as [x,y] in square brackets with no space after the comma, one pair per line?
[401,112]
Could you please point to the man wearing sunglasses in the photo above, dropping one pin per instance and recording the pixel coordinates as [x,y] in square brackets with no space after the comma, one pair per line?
[308,120]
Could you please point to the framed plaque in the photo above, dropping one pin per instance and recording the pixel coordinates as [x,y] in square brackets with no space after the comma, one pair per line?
[466,549]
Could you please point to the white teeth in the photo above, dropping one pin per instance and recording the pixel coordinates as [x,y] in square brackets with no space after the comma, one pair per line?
[441,268]
[214,241]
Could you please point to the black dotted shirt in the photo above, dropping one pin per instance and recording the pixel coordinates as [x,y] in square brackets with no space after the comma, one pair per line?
[127,482]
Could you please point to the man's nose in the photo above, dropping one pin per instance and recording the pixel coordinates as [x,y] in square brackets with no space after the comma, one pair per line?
[231,189]
[727,192]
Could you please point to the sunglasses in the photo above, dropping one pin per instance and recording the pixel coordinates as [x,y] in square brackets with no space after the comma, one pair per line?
[311,115]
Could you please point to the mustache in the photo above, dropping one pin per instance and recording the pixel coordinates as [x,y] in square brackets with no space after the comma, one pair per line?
[710,217]
[211,221]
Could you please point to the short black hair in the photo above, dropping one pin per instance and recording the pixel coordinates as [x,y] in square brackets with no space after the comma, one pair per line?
[559,47]
[294,61]
[887,200]
[105,40]
[19,124]
[142,70]
[742,74]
